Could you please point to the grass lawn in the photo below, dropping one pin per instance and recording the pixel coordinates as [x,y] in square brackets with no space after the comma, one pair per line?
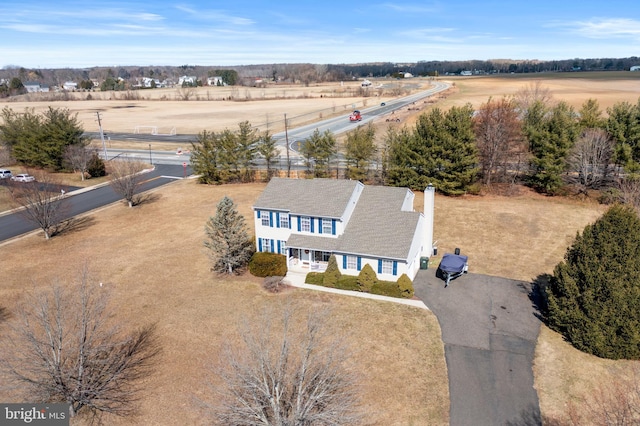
[152,260]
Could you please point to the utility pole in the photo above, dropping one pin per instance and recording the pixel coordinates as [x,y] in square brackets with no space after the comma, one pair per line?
[286,140]
[104,146]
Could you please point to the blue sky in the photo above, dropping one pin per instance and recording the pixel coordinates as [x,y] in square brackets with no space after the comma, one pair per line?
[63,33]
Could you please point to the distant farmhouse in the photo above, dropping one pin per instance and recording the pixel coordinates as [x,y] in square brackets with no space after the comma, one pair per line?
[215,81]
[635,68]
[70,85]
[34,86]
[187,79]
[308,220]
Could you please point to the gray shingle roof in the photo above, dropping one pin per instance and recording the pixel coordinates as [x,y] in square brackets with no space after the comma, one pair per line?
[309,197]
[378,227]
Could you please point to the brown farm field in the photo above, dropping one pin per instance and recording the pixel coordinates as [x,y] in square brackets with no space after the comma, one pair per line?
[152,261]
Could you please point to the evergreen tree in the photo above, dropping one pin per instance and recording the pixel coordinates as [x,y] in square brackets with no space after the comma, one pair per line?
[317,150]
[41,140]
[228,242]
[247,140]
[360,149]
[594,295]
[205,153]
[441,150]
[623,123]
[551,134]
[590,115]
[267,149]
[367,278]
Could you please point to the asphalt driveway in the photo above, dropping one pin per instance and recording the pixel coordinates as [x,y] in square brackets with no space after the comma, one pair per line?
[489,328]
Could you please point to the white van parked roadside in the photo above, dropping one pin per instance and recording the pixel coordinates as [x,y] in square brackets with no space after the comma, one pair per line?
[4,174]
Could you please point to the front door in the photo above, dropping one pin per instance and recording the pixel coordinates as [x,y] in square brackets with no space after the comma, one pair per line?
[305,255]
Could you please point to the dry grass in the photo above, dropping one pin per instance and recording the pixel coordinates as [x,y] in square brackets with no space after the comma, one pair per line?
[152,261]
[151,258]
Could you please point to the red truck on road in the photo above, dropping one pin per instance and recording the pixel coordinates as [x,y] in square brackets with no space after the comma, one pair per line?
[355,116]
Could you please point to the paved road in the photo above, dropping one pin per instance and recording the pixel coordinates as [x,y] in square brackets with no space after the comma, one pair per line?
[489,329]
[14,224]
[295,136]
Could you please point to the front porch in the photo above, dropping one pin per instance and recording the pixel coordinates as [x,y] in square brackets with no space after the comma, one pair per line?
[307,260]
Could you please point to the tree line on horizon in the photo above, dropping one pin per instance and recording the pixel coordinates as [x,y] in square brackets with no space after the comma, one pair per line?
[304,73]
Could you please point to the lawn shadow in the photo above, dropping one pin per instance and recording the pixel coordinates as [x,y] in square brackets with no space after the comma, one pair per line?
[74,224]
[538,296]
[146,198]
[4,314]
[529,416]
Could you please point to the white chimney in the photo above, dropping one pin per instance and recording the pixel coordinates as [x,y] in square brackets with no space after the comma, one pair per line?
[429,203]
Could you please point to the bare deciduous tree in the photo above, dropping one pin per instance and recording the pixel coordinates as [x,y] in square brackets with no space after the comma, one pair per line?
[615,403]
[66,346]
[630,191]
[499,138]
[532,93]
[78,157]
[287,372]
[589,160]
[125,178]
[40,202]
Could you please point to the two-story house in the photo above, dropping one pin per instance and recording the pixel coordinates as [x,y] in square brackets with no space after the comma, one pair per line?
[308,220]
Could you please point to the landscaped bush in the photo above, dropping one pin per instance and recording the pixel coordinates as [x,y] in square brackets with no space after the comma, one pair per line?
[347,282]
[263,264]
[405,286]
[367,278]
[95,166]
[332,274]
[386,288]
[314,278]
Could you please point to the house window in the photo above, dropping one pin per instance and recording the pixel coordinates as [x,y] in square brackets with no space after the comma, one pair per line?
[305,224]
[352,262]
[283,247]
[266,244]
[321,256]
[265,218]
[326,226]
[284,220]
[387,267]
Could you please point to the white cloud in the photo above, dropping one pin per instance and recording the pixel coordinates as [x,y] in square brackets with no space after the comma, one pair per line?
[602,28]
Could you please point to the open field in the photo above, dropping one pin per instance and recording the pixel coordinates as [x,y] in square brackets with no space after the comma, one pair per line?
[402,357]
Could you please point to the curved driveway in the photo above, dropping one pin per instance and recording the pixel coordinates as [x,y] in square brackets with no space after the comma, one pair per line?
[489,328]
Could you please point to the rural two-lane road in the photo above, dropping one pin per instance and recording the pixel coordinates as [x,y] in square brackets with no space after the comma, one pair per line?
[13,224]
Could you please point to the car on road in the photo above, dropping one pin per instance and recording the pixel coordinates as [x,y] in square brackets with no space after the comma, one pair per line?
[382,104]
[4,174]
[355,116]
[23,177]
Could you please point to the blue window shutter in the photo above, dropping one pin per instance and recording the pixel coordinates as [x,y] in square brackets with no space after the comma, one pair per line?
[258,214]
[359,263]
[299,223]
[333,227]
[271,219]
[279,249]
[395,267]
[272,246]
[344,262]
[259,244]
[319,225]
[277,220]
[379,266]
[311,220]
